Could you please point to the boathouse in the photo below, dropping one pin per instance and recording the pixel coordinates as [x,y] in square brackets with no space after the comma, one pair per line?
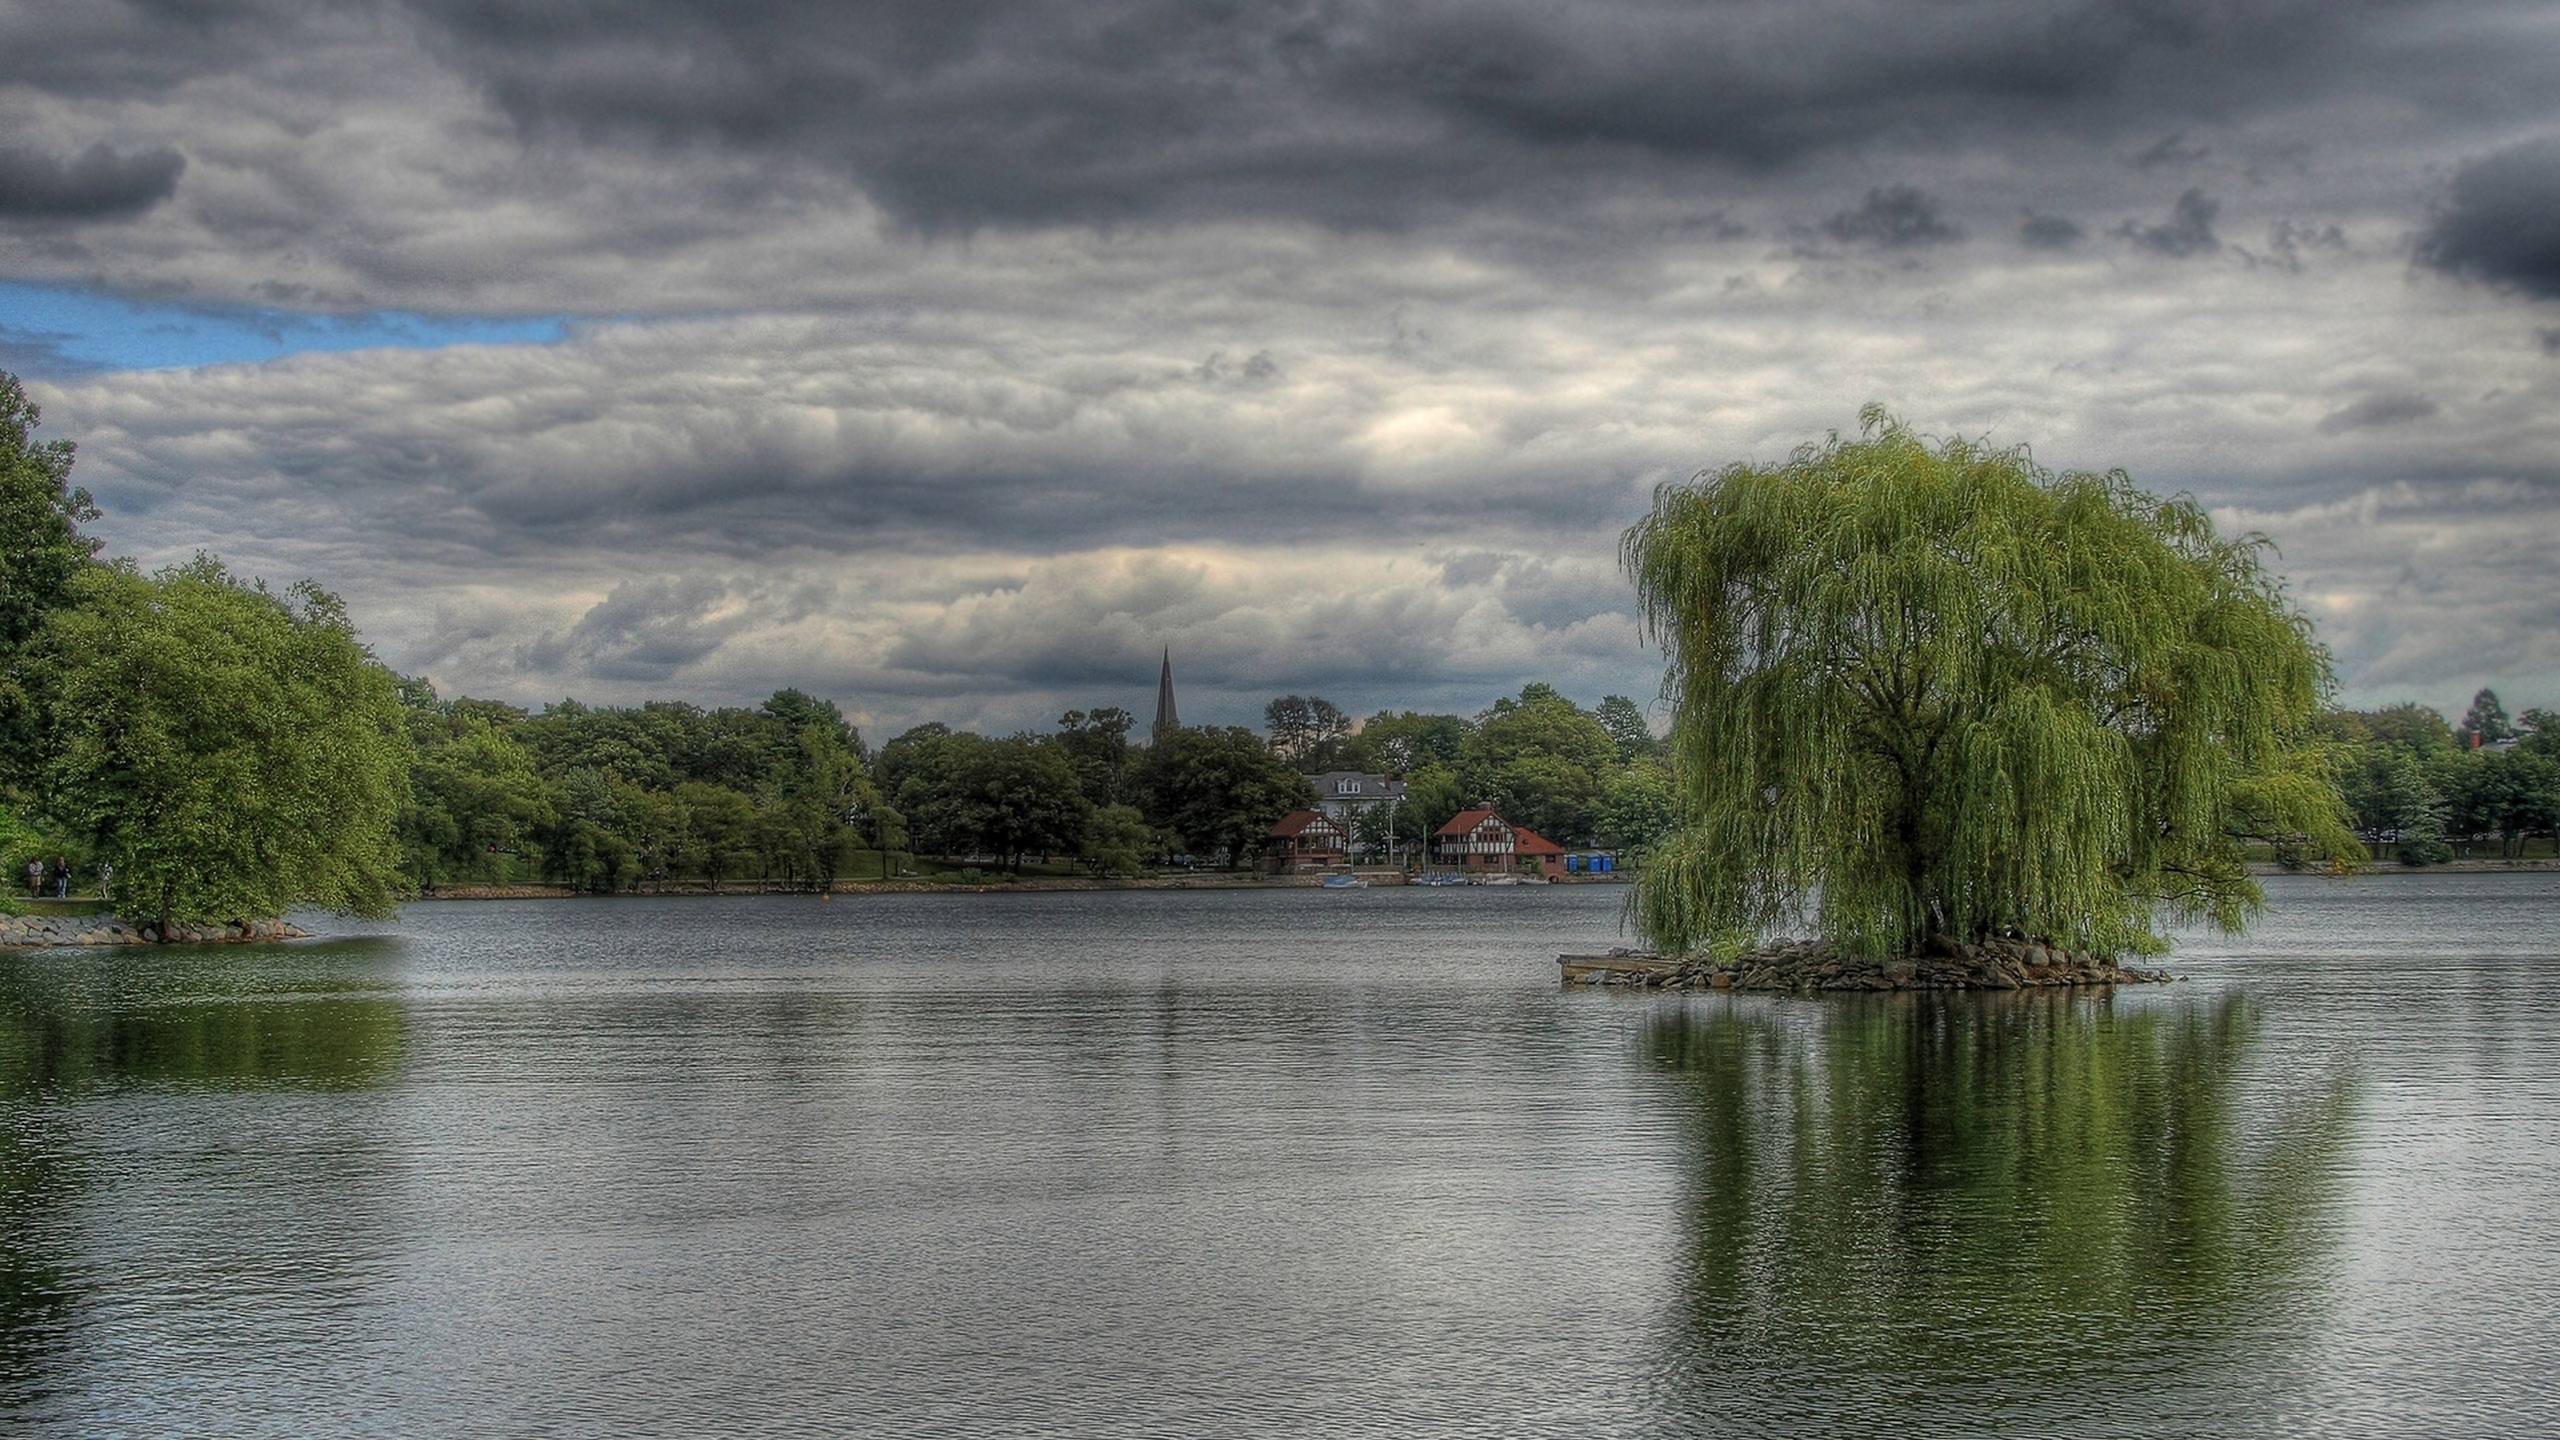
[1305,840]
[1480,841]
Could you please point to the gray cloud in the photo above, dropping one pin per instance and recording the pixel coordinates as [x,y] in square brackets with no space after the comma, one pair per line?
[2049,232]
[2501,225]
[96,183]
[1893,217]
[2171,150]
[672,125]
[2375,412]
[2187,232]
[645,630]
[959,356]
[2288,241]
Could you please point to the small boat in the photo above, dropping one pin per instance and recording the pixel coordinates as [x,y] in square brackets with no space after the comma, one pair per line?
[1440,878]
[1344,882]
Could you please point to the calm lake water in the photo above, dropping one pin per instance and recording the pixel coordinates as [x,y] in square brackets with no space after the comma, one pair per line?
[1335,1163]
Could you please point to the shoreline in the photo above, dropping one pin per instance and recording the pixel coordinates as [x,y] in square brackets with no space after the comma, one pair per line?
[48,932]
[1027,884]
[2475,865]
[1235,881]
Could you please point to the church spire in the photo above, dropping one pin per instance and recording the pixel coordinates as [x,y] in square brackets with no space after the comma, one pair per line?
[1167,721]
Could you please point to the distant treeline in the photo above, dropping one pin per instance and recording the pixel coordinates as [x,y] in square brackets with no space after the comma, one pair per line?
[2423,791]
[787,793]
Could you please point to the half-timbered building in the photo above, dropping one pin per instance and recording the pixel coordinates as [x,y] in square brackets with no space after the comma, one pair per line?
[1480,840]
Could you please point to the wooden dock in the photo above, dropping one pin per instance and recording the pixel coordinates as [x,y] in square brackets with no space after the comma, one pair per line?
[1614,969]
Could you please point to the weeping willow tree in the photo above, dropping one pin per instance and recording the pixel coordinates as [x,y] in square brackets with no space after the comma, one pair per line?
[1932,692]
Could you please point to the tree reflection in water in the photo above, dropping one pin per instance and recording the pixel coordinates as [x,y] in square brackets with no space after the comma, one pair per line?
[77,1030]
[1996,1213]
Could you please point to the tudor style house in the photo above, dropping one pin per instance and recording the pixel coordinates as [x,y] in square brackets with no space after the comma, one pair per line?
[1306,840]
[1479,840]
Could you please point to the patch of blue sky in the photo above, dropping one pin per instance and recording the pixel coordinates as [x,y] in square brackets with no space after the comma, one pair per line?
[65,331]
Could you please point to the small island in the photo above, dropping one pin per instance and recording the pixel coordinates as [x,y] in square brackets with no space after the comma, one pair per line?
[1969,722]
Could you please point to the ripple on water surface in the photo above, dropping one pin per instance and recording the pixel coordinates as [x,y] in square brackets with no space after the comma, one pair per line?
[1344,1163]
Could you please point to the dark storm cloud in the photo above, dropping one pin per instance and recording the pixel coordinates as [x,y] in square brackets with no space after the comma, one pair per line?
[2502,224]
[2375,412]
[1331,340]
[1352,112]
[95,183]
[2170,150]
[2049,232]
[1893,217]
[2187,232]
[644,630]
[626,158]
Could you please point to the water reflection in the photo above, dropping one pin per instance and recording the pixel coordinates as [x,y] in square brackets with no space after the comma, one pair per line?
[80,1032]
[1952,1195]
[312,1018]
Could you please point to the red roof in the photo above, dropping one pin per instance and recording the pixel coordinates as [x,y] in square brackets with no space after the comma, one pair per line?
[1295,822]
[1524,841]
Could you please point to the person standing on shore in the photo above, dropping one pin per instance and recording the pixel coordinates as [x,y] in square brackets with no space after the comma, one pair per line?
[35,878]
[106,879]
[61,878]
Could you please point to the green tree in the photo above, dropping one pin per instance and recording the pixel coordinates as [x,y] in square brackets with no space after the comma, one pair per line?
[1638,807]
[2541,733]
[593,841]
[910,751]
[719,838]
[824,785]
[41,553]
[1547,793]
[41,548]
[1407,740]
[1431,796]
[1300,726]
[1540,760]
[1098,742]
[2419,729]
[888,827]
[1935,693]
[2512,794]
[231,751]
[1217,790]
[2390,793]
[475,801]
[1117,841]
[1006,798]
[1624,723]
[2485,723]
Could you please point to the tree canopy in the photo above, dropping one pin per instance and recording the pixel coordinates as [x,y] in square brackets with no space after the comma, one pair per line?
[233,752]
[1218,790]
[1933,691]
[2486,722]
[41,553]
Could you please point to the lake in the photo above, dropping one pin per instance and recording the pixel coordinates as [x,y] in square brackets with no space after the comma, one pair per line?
[1293,1162]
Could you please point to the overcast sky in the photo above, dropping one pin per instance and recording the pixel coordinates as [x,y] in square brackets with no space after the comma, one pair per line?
[950,358]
